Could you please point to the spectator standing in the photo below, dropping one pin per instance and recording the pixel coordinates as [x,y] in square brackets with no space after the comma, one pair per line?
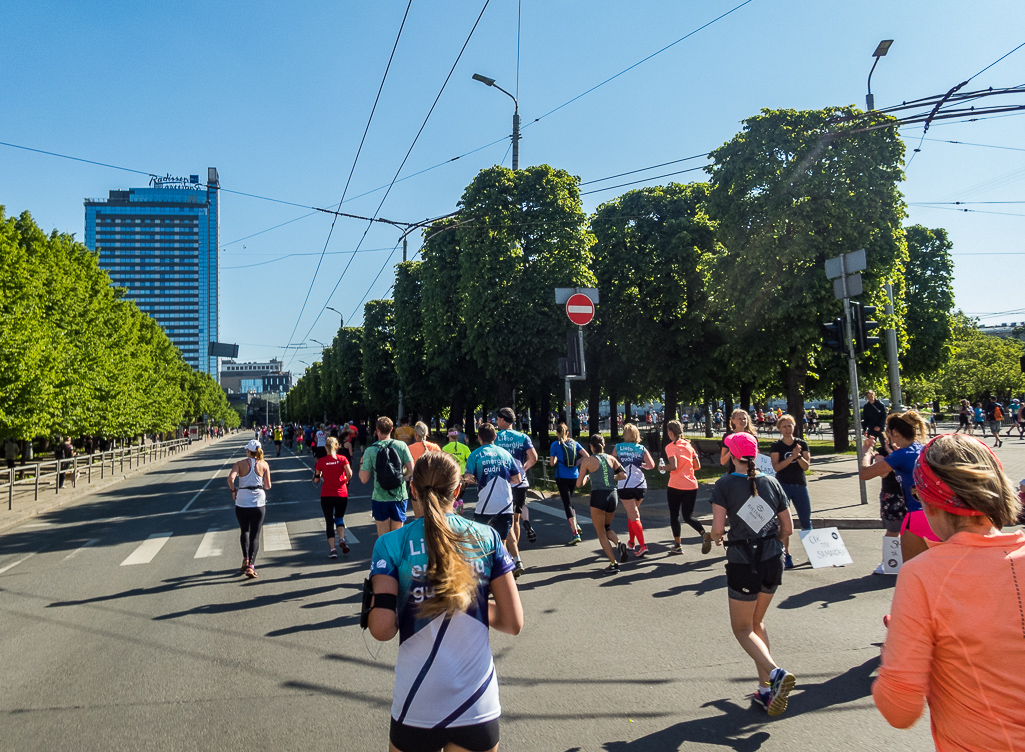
[873,417]
[11,452]
[791,459]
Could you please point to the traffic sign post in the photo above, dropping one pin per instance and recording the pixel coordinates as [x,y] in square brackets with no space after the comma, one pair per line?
[580,303]
[580,309]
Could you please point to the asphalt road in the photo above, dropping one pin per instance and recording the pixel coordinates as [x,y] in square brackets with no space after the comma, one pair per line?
[125,626]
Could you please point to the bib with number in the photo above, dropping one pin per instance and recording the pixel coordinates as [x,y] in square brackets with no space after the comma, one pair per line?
[756,513]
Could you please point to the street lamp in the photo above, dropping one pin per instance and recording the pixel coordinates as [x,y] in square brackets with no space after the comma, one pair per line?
[516,117]
[318,342]
[341,319]
[881,50]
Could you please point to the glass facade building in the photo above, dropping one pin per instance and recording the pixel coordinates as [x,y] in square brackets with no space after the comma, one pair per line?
[160,243]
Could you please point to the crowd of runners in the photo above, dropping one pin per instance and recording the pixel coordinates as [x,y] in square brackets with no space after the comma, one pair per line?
[434,572]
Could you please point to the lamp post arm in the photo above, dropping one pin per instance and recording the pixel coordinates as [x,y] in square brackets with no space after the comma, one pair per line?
[870,100]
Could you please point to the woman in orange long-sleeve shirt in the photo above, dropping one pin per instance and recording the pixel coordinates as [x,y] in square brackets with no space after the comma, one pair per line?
[957,628]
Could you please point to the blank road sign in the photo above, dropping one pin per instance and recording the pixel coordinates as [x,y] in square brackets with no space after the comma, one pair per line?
[580,309]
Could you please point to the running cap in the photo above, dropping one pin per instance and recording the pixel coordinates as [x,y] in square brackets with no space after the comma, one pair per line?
[1015,399]
[507,414]
[742,444]
[931,489]
[453,434]
[253,445]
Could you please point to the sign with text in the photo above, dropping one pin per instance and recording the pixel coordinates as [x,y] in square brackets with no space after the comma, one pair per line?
[825,548]
[763,464]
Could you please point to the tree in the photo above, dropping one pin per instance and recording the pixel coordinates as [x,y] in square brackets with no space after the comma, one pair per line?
[380,382]
[791,190]
[410,358]
[980,365]
[929,293]
[521,234]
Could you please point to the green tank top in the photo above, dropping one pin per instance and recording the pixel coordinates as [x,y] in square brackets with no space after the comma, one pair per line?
[604,478]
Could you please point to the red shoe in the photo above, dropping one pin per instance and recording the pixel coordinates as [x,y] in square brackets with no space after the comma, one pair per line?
[344,545]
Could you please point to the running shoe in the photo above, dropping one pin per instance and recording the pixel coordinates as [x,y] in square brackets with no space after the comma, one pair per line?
[579,531]
[531,535]
[781,682]
[676,550]
[611,568]
[761,699]
[622,552]
[518,570]
[344,545]
[251,573]
[574,540]
[788,561]
[641,552]
[244,567]
[706,543]
[333,554]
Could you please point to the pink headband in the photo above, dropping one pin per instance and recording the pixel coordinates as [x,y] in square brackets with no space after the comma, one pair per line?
[931,489]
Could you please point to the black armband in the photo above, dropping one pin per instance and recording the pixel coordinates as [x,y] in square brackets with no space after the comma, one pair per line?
[389,601]
[364,610]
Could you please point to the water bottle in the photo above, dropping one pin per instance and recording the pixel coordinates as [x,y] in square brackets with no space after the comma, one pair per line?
[662,465]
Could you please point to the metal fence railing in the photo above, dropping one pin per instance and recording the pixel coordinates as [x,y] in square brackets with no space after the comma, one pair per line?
[84,467]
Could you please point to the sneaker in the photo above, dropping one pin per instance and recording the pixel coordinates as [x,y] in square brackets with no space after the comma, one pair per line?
[333,554]
[531,535]
[344,545]
[622,552]
[611,568]
[244,567]
[251,573]
[579,531]
[781,682]
[788,561]
[641,552]
[676,550]
[518,570]
[706,543]
[761,699]
[574,540]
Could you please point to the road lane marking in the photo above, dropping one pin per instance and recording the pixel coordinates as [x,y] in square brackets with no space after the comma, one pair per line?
[87,544]
[39,524]
[547,510]
[216,473]
[350,537]
[12,565]
[210,546]
[147,549]
[275,537]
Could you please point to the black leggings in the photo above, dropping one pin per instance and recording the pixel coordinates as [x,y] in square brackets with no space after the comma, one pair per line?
[333,508]
[681,500]
[566,486]
[250,520]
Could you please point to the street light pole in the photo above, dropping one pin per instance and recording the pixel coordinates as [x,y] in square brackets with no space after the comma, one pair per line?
[516,117]
[893,370]
[341,319]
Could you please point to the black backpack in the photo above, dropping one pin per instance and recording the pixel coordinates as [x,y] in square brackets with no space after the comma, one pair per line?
[388,467]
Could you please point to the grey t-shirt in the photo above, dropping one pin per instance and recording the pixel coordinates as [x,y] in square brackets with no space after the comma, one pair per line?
[731,492]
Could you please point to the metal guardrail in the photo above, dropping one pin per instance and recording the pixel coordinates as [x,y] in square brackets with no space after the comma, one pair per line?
[85,465]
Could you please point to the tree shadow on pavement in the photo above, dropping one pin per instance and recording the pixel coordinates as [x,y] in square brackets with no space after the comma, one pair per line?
[837,592]
[736,729]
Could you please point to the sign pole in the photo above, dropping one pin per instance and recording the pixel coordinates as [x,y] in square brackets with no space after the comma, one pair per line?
[855,393]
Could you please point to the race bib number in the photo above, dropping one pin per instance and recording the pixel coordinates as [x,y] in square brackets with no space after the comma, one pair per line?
[756,513]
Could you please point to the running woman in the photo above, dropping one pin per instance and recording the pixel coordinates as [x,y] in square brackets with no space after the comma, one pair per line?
[460,452]
[759,519]
[522,450]
[791,459]
[603,470]
[421,444]
[494,471]
[683,462]
[334,471]
[431,582]
[565,456]
[321,439]
[964,417]
[635,460]
[299,439]
[250,502]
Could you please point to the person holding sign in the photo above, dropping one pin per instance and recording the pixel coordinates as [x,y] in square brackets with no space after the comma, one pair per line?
[956,623]
[759,519]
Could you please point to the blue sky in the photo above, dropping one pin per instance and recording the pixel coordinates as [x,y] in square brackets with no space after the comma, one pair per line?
[277,96]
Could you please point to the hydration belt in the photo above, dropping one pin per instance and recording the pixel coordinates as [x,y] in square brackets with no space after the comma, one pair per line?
[752,548]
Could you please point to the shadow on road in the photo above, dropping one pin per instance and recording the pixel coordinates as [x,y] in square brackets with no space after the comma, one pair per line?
[838,592]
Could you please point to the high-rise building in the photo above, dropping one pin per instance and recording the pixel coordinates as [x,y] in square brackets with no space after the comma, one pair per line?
[260,378]
[160,243]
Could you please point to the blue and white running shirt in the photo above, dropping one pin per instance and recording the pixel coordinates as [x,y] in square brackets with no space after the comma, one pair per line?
[444,673]
[517,444]
[631,457]
[492,466]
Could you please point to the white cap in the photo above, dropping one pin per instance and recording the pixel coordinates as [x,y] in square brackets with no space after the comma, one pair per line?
[254,445]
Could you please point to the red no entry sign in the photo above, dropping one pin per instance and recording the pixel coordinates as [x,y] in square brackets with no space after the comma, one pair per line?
[580,309]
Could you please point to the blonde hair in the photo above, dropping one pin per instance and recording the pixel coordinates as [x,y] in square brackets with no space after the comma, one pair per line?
[420,429]
[257,455]
[909,425]
[331,444]
[562,431]
[631,434]
[747,420]
[972,473]
[449,573]
[786,416]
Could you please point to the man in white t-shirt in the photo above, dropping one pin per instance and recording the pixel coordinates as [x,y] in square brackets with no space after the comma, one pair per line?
[321,442]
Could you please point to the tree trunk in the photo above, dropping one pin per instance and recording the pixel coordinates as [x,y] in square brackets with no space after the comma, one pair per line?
[671,406]
[613,417]
[709,403]
[797,374]
[505,392]
[469,423]
[627,407]
[594,407]
[745,397]
[841,417]
[727,406]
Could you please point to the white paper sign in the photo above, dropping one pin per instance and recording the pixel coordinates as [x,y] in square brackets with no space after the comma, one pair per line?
[756,513]
[763,464]
[892,555]
[825,548]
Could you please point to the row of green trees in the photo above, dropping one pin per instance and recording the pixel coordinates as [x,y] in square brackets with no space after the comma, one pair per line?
[76,358]
[709,291]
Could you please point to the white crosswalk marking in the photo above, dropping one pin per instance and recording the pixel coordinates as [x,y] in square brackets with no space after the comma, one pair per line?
[275,537]
[210,546]
[87,544]
[350,537]
[12,565]
[147,549]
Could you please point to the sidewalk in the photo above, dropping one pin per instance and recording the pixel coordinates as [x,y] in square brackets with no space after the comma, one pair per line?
[833,488]
[26,507]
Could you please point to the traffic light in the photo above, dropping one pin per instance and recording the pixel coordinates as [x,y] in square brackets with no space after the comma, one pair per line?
[863,325]
[834,336]
[570,365]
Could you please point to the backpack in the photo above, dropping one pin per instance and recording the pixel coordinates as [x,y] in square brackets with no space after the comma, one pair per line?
[388,467]
[569,453]
[998,414]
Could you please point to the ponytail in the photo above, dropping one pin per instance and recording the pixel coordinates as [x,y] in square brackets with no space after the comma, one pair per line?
[752,471]
[257,455]
[450,575]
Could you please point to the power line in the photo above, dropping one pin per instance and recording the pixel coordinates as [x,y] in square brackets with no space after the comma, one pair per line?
[997,61]
[330,231]
[643,169]
[291,255]
[635,182]
[968,143]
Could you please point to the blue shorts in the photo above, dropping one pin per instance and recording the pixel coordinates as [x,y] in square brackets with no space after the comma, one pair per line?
[502,523]
[388,510]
